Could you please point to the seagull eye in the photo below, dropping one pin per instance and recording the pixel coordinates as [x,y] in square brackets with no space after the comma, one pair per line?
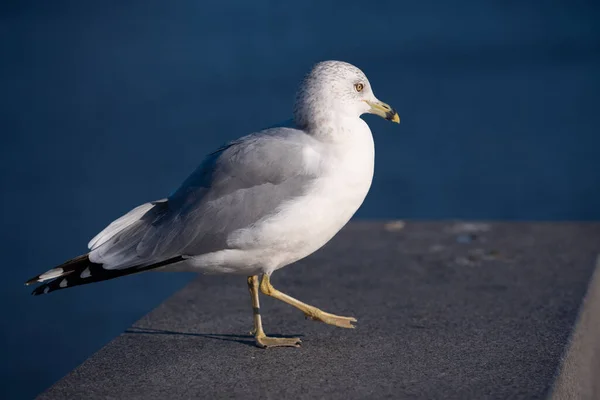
[359,87]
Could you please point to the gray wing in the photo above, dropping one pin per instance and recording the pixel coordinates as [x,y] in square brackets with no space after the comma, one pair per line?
[234,187]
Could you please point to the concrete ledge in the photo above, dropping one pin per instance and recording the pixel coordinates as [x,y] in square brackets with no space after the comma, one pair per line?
[445,311]
[579,376]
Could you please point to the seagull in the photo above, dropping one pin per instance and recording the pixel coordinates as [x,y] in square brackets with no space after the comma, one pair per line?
[256,204]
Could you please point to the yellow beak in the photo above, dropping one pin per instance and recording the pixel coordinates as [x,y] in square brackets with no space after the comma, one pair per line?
[383,110]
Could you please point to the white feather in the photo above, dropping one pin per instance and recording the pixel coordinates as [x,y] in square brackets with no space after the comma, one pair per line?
[53,273]
[118,225]
[86,273]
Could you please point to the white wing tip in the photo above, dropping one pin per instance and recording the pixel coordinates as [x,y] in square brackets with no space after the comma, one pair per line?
[53,273]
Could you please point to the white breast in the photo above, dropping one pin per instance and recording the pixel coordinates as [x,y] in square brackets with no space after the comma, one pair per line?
[307,223]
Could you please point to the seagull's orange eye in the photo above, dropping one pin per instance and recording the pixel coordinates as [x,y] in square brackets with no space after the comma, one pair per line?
[359,87]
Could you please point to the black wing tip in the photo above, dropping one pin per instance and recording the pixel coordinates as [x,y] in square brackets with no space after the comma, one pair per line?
[44,289]
[51,286]
[33,280]
[66,268]
[96,273]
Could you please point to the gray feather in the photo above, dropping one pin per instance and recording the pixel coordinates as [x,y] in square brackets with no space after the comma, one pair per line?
[236,186]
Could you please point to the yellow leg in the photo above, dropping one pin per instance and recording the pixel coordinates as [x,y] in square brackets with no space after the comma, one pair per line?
[263,340]
[308,310]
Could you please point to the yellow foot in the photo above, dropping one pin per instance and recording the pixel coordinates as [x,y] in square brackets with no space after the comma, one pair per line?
[331,319]
[265,342]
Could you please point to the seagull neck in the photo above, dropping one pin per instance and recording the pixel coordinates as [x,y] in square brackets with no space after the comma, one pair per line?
[326,126]
[333,128]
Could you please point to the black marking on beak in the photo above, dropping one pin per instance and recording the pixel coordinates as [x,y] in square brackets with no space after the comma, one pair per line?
[389,115]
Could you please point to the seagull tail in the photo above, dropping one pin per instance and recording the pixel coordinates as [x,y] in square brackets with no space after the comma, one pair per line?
[81,271]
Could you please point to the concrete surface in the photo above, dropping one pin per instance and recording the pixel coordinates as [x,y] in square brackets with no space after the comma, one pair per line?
[580,370]
[445,311]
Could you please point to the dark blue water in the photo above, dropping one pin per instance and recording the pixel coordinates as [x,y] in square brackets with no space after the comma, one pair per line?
[105,105]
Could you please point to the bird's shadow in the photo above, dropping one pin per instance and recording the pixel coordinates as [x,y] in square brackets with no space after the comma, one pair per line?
[243,339]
